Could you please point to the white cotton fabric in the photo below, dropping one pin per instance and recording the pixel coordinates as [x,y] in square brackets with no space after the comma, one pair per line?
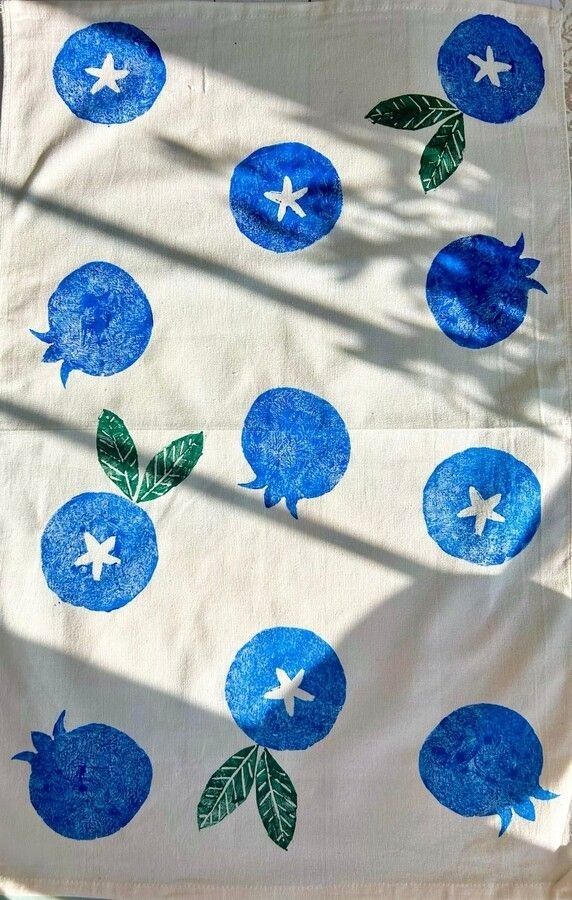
[419,633]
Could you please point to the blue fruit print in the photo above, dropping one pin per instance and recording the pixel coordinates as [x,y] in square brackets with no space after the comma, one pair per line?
[477,289]
[296,443]
[87,783]
[109,72]
[285,197]
[490,69]
[100,321]
[286,688]
[99,551]
[482,505]
[484,760]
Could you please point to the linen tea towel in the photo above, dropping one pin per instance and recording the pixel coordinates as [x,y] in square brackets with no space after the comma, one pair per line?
[286,444]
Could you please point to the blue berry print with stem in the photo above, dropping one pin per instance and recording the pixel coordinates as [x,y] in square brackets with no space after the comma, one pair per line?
[482,505]
[100,321]
[285,197]
[109,72]
[87,783]
[490,70]
[484,760]
[477,289]
[296,443]
[99,550]
[285,689]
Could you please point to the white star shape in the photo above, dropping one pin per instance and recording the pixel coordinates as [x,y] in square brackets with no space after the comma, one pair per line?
[288,689]
[489,67]
[97,555]
[286,199]
[107,76]
[482,510]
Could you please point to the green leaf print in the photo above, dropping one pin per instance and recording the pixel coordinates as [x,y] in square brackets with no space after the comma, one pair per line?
[276,799]
[443,153]
[170,466]
[117,453]
[227,788]
[411,111]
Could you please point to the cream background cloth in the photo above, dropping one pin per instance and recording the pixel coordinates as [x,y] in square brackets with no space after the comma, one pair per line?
[419,633]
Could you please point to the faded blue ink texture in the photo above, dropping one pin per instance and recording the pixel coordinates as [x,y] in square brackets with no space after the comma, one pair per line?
[482,505]
[126,73]
[100,321]
[296,443]
[484,760]
[305,679]
[87,783]
[514,62]
[99,551]
[477,289]
[285,197]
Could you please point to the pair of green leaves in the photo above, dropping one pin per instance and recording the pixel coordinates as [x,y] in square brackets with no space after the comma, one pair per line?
[230,786]
[117,454]
[444,152]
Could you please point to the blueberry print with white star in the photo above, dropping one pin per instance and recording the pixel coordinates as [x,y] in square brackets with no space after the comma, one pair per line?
[87,783]
[99,550]
[109,72]
[490,70]
[296,443]
[482,505]
[100,321]
[285,689]
[477,289]
[484,760]
[285,197]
